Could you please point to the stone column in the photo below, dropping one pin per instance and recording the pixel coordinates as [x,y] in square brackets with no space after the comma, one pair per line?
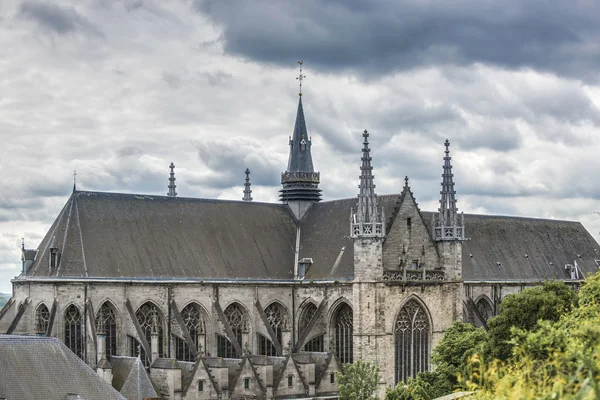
[101,353]
[286,342]
[154,346]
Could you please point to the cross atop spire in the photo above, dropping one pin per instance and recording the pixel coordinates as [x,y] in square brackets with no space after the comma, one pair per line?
[367,221]
[447,224]
[74,181]
[300,78]
[172,185]
[406,181]
[247,190]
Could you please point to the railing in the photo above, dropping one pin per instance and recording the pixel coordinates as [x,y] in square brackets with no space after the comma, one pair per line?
[414,275]
[312,177]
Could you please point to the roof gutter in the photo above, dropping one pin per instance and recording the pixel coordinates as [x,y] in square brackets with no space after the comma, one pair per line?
[518,281]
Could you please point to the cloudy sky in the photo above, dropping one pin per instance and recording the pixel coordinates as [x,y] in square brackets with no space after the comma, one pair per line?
[117,89]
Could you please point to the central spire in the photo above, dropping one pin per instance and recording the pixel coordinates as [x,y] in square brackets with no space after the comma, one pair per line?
[300,181]
[247,190]
[368,219]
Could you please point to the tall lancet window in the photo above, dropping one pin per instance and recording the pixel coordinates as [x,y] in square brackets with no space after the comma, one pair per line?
[42,318]
[412,341]
[149,318]
[342,334]
[315,343]
[278,319]
[73,330]
[106,324]
[193,319]
[238,322]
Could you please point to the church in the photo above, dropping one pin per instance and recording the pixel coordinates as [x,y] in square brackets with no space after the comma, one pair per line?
[193,298]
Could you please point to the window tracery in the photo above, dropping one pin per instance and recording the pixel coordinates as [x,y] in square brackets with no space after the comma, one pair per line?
[278,319]
[106,323]
[149,318]
[237,319]
[193,320]
[73,331]
[42,319]
[342,335]
[412,341]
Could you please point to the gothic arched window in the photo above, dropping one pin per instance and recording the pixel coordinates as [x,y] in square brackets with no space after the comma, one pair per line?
[42,318]
[193,320]
[238,322]
[73,332]
[149,318]
[412,341]
[316,343]
[279,320]
[485,309]
[342,334]
[106,324]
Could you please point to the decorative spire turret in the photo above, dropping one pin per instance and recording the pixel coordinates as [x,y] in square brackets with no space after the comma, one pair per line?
[368,219]
[247,190]
[448,225]
[172,185]
[300,181]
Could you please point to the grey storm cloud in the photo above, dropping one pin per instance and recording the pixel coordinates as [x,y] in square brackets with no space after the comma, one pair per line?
[58,19]
[383,36]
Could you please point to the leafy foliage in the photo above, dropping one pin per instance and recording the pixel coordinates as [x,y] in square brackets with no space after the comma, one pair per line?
[358,381]
[524,310]
[553,358]
[414,389]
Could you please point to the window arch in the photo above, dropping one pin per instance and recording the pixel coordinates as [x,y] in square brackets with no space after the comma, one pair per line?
[193,319]
[342,334]
[279,320]
[316,343]
[73,330]
[150,320]
[412,341]
[485,309]
[238,322]
[42,319]
[106,324]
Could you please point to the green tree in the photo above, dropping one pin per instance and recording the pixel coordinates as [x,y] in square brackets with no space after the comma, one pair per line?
[358,381]
[524,310]
[414,389]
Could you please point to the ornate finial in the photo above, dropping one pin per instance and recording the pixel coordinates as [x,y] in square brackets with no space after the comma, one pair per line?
[448,225]
[23,243]
[247,190]
[367,221]
[300,78]
[406,181]
[172,185]
[74,181]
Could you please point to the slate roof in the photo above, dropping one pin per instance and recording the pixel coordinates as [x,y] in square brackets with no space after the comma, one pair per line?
[137,385]
[108,235]
[43,368]
[123,235]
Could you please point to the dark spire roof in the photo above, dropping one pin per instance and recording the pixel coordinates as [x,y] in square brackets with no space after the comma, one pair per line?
[172,185]
[368,219]
[247,190]
[447,224]
[300,181]
[300,157]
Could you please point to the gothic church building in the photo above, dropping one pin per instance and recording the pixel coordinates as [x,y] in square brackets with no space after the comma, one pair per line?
[187,298]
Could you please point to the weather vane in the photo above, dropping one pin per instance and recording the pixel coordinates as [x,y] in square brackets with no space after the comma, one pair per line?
[300,77]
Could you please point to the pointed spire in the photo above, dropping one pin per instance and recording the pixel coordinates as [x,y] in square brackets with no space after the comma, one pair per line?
[300,181]
[247,190]
[74,181]
[367,221]
[172,185]
[447,224]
